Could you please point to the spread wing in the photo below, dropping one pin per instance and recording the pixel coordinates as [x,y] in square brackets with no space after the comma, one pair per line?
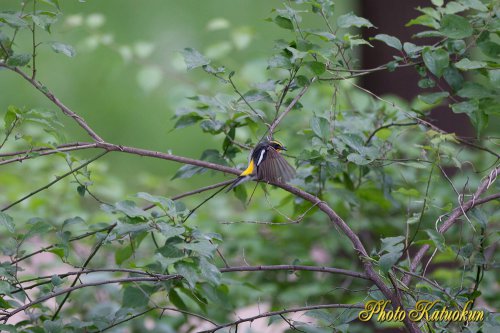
[275,168]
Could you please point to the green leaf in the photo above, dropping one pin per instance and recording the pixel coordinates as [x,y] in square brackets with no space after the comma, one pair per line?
[188,271]
[437,3]
[156,199]
[81,190]
[209,272]
[436,61]
[388,260]
[129,208]
[424,20]
[474,4]
[8,328]
[383,134]
[193,58]
[44,20]
[169,231]
[56,280]
[7,221]
[38,227]
[320,127]
[351,20]
[437,238]
[316,67]
[411,49]
[480,120]
[176,300]
[72,221]
[410,192]
[134,297]
[389,40]
[456,27]
[4,304]
[187,120]
[453,77]
[123,254]
[19,59]
[433,98]
[203,247]
[187,171]
[13,20]
[466,64]
[490,49]
[63,48]
[283,22]
[494,76]
[392,244]
[256,95]
[54,3]
[468,107]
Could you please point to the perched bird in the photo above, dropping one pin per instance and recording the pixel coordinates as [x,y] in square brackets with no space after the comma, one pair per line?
[267,164]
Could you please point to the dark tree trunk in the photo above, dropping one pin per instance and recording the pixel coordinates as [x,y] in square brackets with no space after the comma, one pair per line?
[390,17]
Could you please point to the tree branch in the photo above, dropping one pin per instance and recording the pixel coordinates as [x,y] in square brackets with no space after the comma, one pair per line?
[40,87]
[278,120]
[455,214]
[277,313]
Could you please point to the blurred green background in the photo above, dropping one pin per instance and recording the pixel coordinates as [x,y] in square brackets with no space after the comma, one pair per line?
[128,75]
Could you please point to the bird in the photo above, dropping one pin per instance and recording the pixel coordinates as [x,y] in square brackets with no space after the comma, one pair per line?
[266,163]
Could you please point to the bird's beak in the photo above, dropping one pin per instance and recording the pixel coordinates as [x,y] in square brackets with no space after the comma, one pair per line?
[284,148]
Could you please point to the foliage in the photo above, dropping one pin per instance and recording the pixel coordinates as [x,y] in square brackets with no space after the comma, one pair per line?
[399,182]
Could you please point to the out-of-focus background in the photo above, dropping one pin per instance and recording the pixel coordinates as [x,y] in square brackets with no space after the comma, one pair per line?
[128,75]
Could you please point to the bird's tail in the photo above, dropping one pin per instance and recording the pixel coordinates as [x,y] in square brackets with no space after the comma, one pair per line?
[238,181]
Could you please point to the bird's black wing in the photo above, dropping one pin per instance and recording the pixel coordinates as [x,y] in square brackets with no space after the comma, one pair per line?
[274,168]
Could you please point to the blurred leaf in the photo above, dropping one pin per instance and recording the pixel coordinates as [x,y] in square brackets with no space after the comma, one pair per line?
[65,49]
[320,127]
[176,300]
[466,64]
[123,254]
[129,208]
[437,239]
[8,222]
[203,248]
[134,297]
[436,61]
[454,26]
[194,59]
[13,20]
[283,22]
[19,59]
[209,272]
[351,20]
[433,98]
[388,260]
[188,271]
[149,78]
[72,221]
[316,67]
[389,40]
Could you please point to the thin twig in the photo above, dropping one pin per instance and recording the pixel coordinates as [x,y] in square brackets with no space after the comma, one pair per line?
[277,313]
[289,107]
[87,261]
[53,182]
